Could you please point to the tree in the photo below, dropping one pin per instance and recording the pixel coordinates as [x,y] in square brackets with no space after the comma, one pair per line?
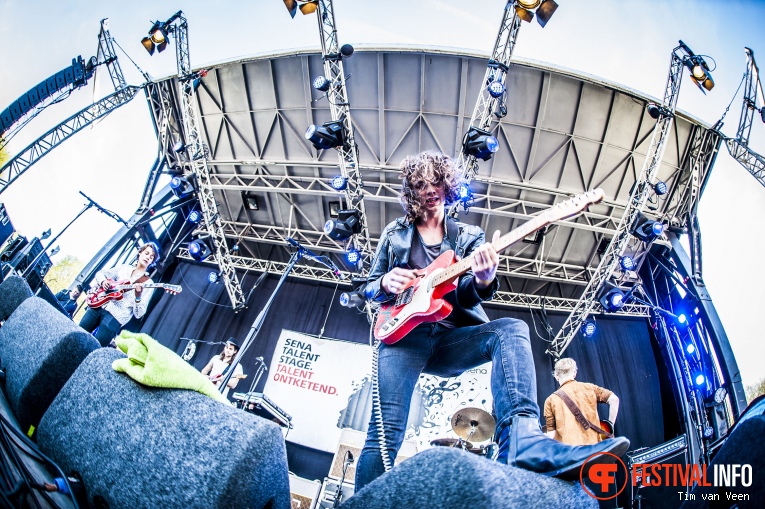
[3,152]
[752,391]
[62,274]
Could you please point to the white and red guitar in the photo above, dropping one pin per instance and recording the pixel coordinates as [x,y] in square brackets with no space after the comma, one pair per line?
[422,301]
[98,297]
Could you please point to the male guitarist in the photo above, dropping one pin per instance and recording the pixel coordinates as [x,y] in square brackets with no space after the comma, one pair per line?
[112,316]
[464,339]
[563,423]
[219,365]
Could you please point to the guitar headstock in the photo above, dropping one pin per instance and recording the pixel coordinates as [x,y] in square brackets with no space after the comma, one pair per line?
[575,205]
[172,289]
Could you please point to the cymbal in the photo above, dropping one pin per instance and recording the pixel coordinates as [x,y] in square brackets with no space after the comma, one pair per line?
[474,424]
[450,442]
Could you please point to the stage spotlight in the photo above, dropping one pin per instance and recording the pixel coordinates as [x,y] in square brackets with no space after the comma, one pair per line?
[646,229]
[181,186]
[627,263]
[690,348]
[544,10]
[157,38]
[339,183]
[321,83]
[213,277]
[328,135]
[199,250]
[353,257]
[699,71]
[700,379]
[588,328]
[681,318]
[657,111]
[660,188]
[179,146]
[479,144]
[148,44]
[194,217]
[346,50]
[612,300]
[351,299]
[464,193]
[346,224]
[496,89]
[306,7]
[708,431]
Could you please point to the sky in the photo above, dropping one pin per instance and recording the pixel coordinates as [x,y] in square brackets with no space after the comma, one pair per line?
[627,42]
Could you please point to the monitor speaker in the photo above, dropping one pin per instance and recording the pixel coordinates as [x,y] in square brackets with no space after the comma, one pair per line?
[332,494]
[658,497]
[303,493]
[353,441]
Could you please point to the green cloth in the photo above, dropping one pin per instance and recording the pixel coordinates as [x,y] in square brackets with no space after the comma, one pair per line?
[152,364]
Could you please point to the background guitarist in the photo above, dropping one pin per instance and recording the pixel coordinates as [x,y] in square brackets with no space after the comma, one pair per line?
[561,423]
[465,339]
[112,316]
[219,365]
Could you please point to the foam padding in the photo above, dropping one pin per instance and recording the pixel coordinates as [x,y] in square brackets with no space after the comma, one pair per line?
[450,478]
[40,348]
[13,291]
[137,446]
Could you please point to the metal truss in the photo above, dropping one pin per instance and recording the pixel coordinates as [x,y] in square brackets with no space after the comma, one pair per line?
[197,152]
[107,56]
[496,70]
[339,106]
[17,165]
[637,201]
[738,147]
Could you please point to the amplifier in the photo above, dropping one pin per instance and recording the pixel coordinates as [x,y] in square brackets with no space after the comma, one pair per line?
[352,441]
[329,492]
[303,493]
[659,451]
[258,403]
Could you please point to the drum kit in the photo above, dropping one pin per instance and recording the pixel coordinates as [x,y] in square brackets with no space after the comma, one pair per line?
[471,424]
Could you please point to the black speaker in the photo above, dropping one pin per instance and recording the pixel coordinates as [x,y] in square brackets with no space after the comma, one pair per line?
[138,446]
[40,348]
[13,291]
[449,478]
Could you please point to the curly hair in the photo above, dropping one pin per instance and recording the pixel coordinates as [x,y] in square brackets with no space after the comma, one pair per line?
[565,368]
[429,167]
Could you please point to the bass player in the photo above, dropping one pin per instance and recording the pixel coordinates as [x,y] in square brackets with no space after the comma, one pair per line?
[463,340]
[109,319]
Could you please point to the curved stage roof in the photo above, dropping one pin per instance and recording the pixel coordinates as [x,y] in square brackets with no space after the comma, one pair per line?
[563,134]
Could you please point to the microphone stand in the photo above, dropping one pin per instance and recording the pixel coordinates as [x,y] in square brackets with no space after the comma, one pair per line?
[258,323]
[339,493]
[90,203]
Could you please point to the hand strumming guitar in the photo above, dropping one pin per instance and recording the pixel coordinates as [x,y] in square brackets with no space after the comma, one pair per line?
[484,262]
[397,280]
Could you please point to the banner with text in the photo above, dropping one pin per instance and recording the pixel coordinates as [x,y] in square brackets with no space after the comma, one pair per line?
[312,379]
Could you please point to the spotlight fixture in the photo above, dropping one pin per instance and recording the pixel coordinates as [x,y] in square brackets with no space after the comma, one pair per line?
[157,38]
[334,208]
[682,319]
[351,299]
[699,69]
[321,83]
[213,277]
[690,348]
[181,186]
[544,10]
[306,7]
[660,188]
[199,250]
[464,194]
[646,229]
[179,146]
[346,224]
[250,201]
[353,257]
[657,111]
[479,144]
[612,300]
[700,379]
[194,217]
[496,89]
[627,263]
[339,183]
[588,328]
[708,431]
[328,135]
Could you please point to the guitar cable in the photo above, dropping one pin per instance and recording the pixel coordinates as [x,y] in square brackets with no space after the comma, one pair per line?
[377,408]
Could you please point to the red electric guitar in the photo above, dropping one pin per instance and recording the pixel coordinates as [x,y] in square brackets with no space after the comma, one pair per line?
[98,297]
[422,301]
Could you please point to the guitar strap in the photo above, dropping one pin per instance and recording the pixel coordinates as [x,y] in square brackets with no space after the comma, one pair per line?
[581,419]
[141,279]
[452,231]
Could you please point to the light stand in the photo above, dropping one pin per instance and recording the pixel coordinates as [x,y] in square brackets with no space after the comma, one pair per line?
[258,323]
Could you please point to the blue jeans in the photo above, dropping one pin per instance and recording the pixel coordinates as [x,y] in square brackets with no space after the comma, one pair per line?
[107,326]
[436,350]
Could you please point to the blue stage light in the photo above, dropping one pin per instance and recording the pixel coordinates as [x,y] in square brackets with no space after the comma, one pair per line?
[463,192]
[690,348]
[213,277]
[682,318]
[194,217]
[496,89]
[612,300]
[199,250]
[588,328]
[339,183]
[353,256]
[321,83]
[660,188]
[479,144]
[627,263]
[700,379]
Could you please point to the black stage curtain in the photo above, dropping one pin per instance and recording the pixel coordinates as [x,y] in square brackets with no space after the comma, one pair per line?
[619,357]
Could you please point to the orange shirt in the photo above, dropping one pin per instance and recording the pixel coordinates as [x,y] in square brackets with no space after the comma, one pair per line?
[559,417]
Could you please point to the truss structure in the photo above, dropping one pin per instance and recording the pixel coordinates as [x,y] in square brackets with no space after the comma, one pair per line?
[738,147]
[197,164]
[637,202]
[340,108]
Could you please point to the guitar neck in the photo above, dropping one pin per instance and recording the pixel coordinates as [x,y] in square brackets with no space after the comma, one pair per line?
[130,287]
[502,243]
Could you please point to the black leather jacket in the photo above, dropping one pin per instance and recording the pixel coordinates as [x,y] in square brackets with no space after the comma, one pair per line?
[393,251]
